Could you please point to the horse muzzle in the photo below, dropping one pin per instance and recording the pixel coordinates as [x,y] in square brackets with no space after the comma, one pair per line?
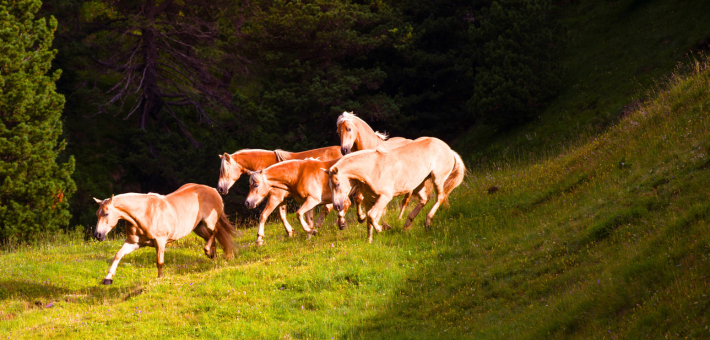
[346,149]
[222,191]
[338,206]
[99,236]
[250,204]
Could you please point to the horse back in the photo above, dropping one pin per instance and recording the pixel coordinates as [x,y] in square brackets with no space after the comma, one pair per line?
[323,154]
[192,203]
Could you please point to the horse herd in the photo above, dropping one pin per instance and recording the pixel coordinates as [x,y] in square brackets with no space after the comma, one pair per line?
[367,167]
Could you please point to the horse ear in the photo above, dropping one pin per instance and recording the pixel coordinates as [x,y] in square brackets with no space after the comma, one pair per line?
[249,172]
[226,156]
[97,200]
[334,171]
[220,156]
[325,170]
[110,200]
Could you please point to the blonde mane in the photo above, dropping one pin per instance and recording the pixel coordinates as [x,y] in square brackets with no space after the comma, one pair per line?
[349,116]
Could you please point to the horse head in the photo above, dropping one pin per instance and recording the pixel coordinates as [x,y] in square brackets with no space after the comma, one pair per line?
[340,187]
[108,218]
[229,172]
[258,189]
[347,130]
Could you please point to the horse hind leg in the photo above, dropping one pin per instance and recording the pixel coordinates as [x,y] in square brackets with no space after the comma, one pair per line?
[405,202]
[210,226]
[205,234]
[440,198]
[423,200]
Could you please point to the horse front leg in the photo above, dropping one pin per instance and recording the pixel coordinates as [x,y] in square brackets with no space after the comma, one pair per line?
[374,214]
[283,215]
[307,206]
[273,202]
[325,211]
[160,249]
[342,224]
[127,248]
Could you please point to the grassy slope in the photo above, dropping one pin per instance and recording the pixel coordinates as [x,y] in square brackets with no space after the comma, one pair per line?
[607,239]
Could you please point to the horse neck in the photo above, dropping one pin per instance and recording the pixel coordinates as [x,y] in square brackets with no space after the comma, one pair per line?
[255,160]
[132,207]
[366,137]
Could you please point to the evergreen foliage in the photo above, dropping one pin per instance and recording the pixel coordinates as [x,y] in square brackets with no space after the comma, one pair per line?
[515,59]
[275,74]
[34,189]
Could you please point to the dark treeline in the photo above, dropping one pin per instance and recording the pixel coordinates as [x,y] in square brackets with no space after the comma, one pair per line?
[155,90]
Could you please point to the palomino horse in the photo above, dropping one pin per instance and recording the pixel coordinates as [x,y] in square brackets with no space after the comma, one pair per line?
[302,180]
[384,174]
[356,135]
[244,161]
[155,220]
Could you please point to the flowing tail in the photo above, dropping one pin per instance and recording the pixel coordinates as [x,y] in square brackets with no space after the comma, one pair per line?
[455,177]
[225,232]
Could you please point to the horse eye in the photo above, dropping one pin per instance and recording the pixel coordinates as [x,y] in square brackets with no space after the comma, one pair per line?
[348,129]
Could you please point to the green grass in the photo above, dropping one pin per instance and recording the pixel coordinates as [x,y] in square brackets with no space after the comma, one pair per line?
[604,237]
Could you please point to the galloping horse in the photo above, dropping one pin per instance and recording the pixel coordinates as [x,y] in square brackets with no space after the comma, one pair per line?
[302,180]
[384,174]
[356,135]
[155,220]
[244,161]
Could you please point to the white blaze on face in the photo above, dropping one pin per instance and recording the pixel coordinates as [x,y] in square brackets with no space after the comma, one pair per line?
[107,219]
[229,173]
[258,189]
[340,188]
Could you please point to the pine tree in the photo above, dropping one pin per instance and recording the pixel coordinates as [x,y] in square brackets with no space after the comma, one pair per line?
[34,189]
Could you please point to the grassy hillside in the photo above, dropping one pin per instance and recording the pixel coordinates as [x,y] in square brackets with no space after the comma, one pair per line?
[607,239]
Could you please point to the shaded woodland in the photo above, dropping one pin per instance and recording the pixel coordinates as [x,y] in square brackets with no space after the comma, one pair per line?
[155,90]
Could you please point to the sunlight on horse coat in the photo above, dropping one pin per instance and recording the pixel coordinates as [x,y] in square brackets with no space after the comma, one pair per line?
[155,220]
[385,174]
[302,180]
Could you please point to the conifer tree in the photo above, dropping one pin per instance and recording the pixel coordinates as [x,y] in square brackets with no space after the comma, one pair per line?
[34,189]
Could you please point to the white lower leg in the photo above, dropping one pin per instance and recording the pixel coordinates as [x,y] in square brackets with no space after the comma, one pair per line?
[127,248]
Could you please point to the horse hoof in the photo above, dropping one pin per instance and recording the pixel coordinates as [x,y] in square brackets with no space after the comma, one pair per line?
[259,243]
[107,282]
[386,226]
[361,220]
[407,227]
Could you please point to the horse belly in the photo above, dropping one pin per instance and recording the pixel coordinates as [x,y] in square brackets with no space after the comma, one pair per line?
[408,176]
